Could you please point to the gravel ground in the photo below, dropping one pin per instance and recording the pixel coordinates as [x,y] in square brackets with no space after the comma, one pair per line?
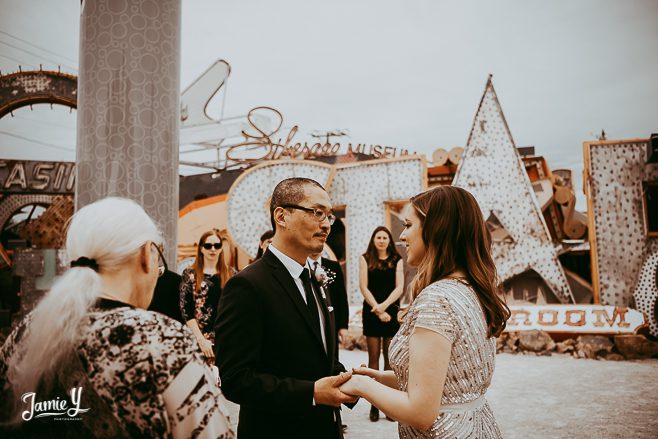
[549,397]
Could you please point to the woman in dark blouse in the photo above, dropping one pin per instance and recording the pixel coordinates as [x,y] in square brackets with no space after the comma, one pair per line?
[202,285]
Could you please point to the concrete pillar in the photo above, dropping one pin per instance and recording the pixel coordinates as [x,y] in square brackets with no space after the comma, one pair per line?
[128,107]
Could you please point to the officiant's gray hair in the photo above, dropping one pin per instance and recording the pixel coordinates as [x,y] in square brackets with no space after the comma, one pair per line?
[106,234]
[289,191]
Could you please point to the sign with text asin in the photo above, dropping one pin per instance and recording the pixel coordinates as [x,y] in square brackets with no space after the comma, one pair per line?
[586,319]
[36,177]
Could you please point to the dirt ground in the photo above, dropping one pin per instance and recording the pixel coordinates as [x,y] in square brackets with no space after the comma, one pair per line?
[550,397]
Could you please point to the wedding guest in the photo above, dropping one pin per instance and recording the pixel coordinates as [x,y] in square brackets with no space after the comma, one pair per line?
[443,355]
[202,286]
[263,243]
[166,296]
[381,281]
[136,373]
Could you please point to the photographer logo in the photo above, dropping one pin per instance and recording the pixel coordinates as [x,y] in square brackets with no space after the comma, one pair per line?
[58,408]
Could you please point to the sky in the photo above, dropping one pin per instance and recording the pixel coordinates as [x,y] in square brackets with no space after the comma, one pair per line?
[408,73]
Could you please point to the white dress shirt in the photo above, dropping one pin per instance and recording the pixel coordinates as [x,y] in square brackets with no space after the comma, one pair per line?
[295,270]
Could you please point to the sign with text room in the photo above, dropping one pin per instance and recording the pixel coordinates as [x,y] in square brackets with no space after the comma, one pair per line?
[586,319]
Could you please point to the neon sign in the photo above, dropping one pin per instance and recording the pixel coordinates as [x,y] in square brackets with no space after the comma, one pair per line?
[260,145]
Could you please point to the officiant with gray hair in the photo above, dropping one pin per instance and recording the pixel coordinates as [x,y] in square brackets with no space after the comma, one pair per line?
[130,372]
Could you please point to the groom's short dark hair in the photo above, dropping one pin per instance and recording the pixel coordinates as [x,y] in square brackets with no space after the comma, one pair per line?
[289,191]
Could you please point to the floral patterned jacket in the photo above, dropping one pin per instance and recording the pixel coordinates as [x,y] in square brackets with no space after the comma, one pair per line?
[146,369]
[200,305]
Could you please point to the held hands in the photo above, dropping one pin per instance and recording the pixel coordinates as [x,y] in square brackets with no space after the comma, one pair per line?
[206,348]
[327,390]
[355,385]
[384,317]
[366,371]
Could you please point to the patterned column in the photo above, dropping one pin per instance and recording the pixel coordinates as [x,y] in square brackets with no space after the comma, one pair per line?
[128,107]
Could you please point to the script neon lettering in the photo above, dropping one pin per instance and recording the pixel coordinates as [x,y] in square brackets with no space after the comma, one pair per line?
[261,146]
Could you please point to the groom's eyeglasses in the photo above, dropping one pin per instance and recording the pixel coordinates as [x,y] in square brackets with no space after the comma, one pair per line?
[216,245]
[318,214]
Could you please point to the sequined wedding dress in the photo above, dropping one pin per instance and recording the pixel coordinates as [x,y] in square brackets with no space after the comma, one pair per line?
[450,307]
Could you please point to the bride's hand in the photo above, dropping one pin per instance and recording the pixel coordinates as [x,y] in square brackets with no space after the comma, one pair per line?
[354,386]
[366,371]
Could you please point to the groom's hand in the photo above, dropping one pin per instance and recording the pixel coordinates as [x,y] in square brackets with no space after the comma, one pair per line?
[326,392]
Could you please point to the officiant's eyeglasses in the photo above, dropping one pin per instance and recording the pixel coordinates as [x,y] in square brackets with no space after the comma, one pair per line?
[216,245]
[162,264]
[318,214]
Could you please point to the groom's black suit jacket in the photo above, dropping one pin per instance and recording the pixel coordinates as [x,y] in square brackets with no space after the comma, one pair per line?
[269,356]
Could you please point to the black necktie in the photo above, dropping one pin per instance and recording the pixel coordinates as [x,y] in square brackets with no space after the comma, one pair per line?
[310,299]
[315,267]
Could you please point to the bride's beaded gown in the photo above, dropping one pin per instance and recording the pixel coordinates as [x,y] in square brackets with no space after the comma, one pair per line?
[450,307]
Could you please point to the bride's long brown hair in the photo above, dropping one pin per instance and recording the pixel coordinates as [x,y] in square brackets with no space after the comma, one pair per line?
[456,238]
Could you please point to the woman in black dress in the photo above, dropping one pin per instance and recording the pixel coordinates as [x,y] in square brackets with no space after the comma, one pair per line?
[201,287]
[381,281]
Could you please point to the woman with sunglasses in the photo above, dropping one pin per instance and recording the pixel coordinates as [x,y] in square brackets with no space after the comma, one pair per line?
[136,373]
[201,288]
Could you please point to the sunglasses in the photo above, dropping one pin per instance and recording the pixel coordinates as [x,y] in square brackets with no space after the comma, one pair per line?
[216,245]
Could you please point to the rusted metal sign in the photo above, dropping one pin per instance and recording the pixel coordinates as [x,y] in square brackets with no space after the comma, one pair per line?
[586,319]
[37,87]
[30,177]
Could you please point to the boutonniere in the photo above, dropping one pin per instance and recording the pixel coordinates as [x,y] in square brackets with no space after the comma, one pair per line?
[324,276]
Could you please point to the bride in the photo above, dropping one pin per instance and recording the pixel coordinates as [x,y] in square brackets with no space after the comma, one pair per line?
[443,355]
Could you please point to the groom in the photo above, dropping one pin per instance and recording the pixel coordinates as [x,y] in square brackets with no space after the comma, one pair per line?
[275,342]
